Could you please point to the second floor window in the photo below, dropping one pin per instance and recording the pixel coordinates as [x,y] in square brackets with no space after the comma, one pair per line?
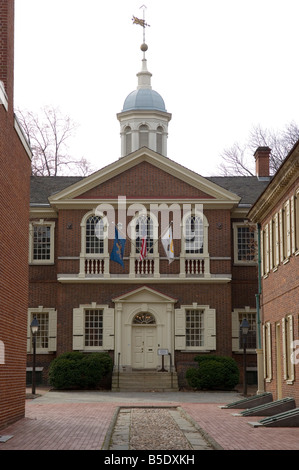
[194,234]
[94,235]
[145,228]
[41,247]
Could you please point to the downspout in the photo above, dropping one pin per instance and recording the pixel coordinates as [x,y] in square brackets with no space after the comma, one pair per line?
[260,362]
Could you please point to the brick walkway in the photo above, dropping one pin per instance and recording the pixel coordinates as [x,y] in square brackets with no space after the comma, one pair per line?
[83,426]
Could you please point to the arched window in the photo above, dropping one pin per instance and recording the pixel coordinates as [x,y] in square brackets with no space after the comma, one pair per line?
[159,139]
[194,235]
[144,229]
[94,235]
[144,319]
[143,136]
[128,139]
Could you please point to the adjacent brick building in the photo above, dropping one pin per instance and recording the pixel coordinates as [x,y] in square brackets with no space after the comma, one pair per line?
[277,214]
[14,216]
[186,301]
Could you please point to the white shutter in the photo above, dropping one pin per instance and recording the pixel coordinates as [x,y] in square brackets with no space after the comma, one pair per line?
[210,329]
[291,336]
[52,330]
[180,329]
[284,349]
[235,331]
[108,328]
[293,224]
[78,329]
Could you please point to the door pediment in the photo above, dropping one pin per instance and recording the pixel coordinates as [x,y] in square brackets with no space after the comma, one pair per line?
[144,295]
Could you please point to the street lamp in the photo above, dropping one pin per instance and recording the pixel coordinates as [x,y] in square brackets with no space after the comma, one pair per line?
[34,329]
[244,330]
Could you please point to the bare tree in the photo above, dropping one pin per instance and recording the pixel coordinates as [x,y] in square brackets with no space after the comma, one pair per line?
[238,160]
[48,133]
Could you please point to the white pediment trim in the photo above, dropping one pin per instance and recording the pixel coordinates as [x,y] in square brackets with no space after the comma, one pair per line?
[144,294]
[133,159]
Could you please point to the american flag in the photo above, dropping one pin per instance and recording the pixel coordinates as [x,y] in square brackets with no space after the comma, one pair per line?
[143,249]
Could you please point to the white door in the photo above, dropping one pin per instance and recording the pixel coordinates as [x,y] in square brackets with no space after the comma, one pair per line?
[144,347]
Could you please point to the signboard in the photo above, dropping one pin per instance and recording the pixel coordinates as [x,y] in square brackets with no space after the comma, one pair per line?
[163,352]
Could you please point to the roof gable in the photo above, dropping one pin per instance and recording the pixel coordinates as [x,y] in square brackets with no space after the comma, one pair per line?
[141,175]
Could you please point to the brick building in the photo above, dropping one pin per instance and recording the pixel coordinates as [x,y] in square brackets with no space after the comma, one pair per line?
[184,300]
[14,216]
[277,214]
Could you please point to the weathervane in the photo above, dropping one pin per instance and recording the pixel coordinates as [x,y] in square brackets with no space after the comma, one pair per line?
[143,24]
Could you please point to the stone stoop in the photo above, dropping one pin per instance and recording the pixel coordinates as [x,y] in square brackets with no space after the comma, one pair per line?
[144,381]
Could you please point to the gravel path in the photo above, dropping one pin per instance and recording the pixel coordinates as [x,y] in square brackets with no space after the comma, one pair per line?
[155,429]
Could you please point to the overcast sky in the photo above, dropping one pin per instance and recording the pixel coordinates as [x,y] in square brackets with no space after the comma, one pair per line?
[221,67]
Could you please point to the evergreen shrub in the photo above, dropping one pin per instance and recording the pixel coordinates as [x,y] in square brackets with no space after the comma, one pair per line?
[76,370]
[213,373]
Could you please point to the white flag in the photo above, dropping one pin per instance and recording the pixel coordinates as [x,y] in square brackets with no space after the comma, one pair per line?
[167,242]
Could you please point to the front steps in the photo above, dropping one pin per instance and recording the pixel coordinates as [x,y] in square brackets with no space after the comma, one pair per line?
[144,381]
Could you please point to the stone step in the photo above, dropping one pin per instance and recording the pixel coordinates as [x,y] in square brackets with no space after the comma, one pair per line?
[144,381]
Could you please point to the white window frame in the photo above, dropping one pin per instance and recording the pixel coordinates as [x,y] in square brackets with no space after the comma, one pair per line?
[209,328]
[52,329]
[41,223]
[236,226]
[236,321]
[83,255]
[79,328]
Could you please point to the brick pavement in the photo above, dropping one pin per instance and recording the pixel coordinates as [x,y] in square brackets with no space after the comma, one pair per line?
[83,426]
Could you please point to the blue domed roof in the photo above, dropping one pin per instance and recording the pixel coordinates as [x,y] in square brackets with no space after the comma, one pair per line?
[144,98]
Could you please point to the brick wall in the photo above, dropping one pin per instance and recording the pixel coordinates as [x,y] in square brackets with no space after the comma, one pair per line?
[14,216]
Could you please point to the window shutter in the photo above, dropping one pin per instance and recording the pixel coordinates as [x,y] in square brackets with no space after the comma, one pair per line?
[235,331]
[293,222]
[52,330]
[291,336]
[108,328]
[180,329]
[284,349]
[78,329]
[210,329]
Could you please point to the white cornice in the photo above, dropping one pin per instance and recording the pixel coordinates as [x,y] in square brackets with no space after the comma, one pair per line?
[125,279]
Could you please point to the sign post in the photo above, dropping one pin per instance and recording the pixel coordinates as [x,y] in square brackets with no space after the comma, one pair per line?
[163,352]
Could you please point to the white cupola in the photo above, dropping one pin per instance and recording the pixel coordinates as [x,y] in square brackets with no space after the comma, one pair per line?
[144,119]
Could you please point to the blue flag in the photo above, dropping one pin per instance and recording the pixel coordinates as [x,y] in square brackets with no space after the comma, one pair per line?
[118,249]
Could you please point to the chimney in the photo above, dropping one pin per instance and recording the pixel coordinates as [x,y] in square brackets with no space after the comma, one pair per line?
[262,162]
[7,48]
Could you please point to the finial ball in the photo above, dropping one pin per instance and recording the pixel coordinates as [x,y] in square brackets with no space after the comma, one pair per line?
[144,47]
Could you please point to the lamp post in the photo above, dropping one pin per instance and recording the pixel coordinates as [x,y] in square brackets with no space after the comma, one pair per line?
[244,330]
[34,329]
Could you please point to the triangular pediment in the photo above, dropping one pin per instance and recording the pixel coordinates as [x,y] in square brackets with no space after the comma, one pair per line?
[144,294]
[144,174]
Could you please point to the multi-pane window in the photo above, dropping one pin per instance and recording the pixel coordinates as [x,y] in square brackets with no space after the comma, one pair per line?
[246,243]
[41,242]
[42,335]
[145,229]
[251,335]
[194,234]
[93,328]
[94,235]
[194,328]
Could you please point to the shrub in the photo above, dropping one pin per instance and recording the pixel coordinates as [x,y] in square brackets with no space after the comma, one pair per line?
[75,370]
[213,372]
